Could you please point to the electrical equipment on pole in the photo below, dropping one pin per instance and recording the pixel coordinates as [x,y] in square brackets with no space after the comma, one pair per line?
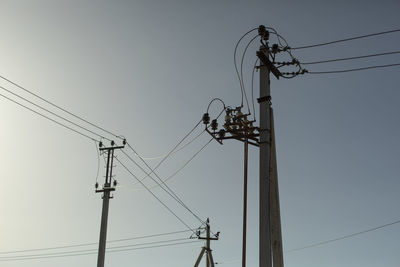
[207,248]
[108,187]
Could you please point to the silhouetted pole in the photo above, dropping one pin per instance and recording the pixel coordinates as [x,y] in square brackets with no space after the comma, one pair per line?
[207,248]
[265,158]
[246,156]
[276,232]
[270,236]
[107,188]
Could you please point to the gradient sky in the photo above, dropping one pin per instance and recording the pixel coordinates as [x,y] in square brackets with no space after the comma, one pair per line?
[147,70]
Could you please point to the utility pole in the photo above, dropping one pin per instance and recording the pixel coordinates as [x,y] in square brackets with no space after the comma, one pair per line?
[270,228]
[206,249]
[238,127]
[107,188]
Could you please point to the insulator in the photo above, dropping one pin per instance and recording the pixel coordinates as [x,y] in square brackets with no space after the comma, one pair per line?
[100,144]
[96,185]
[266,36]
[115,183]
[206,118]
[275,48]
[221,133]
[124,142]
[227,118]
[112,143]
[261,30]
[214,125]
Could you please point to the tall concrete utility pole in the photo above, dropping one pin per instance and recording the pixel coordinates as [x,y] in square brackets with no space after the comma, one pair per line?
[270,240]
[107,188]
[238,127]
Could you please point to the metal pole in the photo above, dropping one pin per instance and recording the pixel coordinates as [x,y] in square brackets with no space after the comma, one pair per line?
[208,244]
[104,215]
[246,149]
[265,154]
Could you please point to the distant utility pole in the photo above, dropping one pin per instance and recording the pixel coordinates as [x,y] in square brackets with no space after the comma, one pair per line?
[206,249]
[107,188]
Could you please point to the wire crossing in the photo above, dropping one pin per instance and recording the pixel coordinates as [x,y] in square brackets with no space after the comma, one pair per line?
[157,198]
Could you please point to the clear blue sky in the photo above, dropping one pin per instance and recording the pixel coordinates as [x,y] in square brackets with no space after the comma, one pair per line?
[147,70]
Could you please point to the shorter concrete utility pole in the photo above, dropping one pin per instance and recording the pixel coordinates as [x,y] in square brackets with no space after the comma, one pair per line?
[107,188]
[206,249]
[237,126]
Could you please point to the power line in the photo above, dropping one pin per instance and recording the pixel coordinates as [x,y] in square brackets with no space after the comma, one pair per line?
[355,69]
[52,113]
[92,243]
[177,150]
[234,61]
[166,189]
[91,253]
[241,71]
[158,199]
[252,88]
[44,116]
[345,40]
[60,108]
[186,163]
[89,250]
[343,237]
[169,153]
[350,58]
[333,240]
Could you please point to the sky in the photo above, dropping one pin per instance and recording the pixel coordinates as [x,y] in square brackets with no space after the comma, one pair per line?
[147,70]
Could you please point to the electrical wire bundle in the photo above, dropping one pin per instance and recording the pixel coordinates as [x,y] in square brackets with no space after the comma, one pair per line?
[164,240]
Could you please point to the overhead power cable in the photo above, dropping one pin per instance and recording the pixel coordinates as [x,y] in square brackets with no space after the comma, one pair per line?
[355,69]
[234,61]
[164,187]
[169,153]
[241,72]
[186,163]
[59,107]
[46,117]
[95,252]
[54,114]
[177,150]
[252,88]
[350,58]
[335,239]
[92,243]
[157,198]
[343,237]
[94,249]
[346,39]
